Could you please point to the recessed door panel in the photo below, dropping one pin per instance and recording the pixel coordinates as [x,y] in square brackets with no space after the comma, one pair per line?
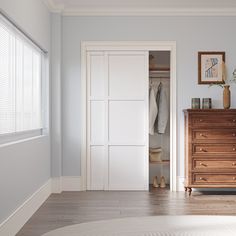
[97,73]
[126,168]
[127,75]
[97,167]
[127,122]
[97,122]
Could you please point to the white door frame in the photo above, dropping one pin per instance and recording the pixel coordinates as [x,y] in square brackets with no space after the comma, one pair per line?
[130,45]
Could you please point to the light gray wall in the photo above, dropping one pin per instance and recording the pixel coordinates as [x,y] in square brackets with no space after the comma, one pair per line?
[25,166]
[192,34]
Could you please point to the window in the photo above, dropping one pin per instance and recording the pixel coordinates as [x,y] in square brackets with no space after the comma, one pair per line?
[20,82]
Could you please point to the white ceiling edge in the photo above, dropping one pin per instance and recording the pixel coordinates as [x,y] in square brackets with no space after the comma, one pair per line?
[52,7]
[150,12]
[56,8]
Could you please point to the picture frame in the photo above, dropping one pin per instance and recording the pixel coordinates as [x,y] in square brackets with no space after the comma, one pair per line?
[211,67]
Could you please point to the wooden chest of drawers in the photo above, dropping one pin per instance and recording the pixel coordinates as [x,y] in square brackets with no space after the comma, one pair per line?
[210,148]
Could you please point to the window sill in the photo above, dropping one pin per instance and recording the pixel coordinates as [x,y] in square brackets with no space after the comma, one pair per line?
[22,140]
[11,139]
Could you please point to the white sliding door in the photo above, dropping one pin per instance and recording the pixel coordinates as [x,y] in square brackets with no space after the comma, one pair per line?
[117,113]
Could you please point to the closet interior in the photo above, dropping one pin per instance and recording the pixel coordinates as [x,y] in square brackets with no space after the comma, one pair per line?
[159,119]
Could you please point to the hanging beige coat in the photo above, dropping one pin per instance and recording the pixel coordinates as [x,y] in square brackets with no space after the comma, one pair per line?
[152,109]
[163,110]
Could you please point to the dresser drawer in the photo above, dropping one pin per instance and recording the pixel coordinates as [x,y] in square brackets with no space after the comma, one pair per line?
[214,178]
[208,165]
[205,135]
[215,120]
[216,149]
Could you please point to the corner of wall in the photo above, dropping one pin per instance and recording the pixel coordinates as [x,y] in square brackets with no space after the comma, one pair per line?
[66,183]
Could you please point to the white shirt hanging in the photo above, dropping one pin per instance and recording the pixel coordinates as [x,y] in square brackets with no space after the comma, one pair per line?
[153,108]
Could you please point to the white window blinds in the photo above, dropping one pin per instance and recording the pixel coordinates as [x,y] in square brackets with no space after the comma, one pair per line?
[20,83]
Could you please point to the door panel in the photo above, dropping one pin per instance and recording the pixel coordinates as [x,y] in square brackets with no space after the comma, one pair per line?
[97,167]
[117,143]
[127,122]
[126,170]
[126,75]
[97,122]
[97,77]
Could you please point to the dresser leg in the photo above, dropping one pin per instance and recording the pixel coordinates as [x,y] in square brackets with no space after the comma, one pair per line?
[185,188]
[189,191]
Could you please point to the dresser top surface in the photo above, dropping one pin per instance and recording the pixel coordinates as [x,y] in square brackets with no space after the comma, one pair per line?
[209,110]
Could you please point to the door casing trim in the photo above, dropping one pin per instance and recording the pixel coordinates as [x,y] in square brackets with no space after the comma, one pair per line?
[130,45]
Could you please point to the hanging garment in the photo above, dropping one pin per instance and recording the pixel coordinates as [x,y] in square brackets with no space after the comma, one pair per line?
[158,109]
[163,110]
[152,109]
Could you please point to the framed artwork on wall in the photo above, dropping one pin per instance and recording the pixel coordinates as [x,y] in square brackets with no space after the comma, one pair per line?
[211,67]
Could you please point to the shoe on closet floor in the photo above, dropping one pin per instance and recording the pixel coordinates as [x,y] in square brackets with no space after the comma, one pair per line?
[163,182]
[155,182]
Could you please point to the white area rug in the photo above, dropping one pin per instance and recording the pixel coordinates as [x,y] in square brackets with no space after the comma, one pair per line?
[154,226]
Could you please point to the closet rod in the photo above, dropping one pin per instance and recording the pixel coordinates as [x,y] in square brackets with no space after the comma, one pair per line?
[159,71]
[161,77]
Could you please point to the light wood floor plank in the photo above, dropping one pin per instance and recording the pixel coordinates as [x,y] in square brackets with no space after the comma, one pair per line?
[77,207]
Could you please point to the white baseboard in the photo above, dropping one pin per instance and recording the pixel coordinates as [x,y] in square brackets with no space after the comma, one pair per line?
[71,183]
[180,183]
[66,183]
[56,185]
[21,215]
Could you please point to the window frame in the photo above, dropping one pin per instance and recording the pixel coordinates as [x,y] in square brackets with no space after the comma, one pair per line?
[16,136]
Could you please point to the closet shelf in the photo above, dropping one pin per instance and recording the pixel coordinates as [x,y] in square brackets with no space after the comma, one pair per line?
[158,70]
[159,73]
[160,162]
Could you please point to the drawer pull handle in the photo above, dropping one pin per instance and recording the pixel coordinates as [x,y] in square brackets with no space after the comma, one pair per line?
[203,164]
[201,178]
[234,134]
[234,178]
[202,150]
[233,164]
[200,120]
[234,120]
[234,149]
[203,135]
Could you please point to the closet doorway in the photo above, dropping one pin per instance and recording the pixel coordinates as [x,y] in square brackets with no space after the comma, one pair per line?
[115,114]
[159,119]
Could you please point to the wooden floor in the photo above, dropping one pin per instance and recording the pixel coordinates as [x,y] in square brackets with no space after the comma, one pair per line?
[77,207]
